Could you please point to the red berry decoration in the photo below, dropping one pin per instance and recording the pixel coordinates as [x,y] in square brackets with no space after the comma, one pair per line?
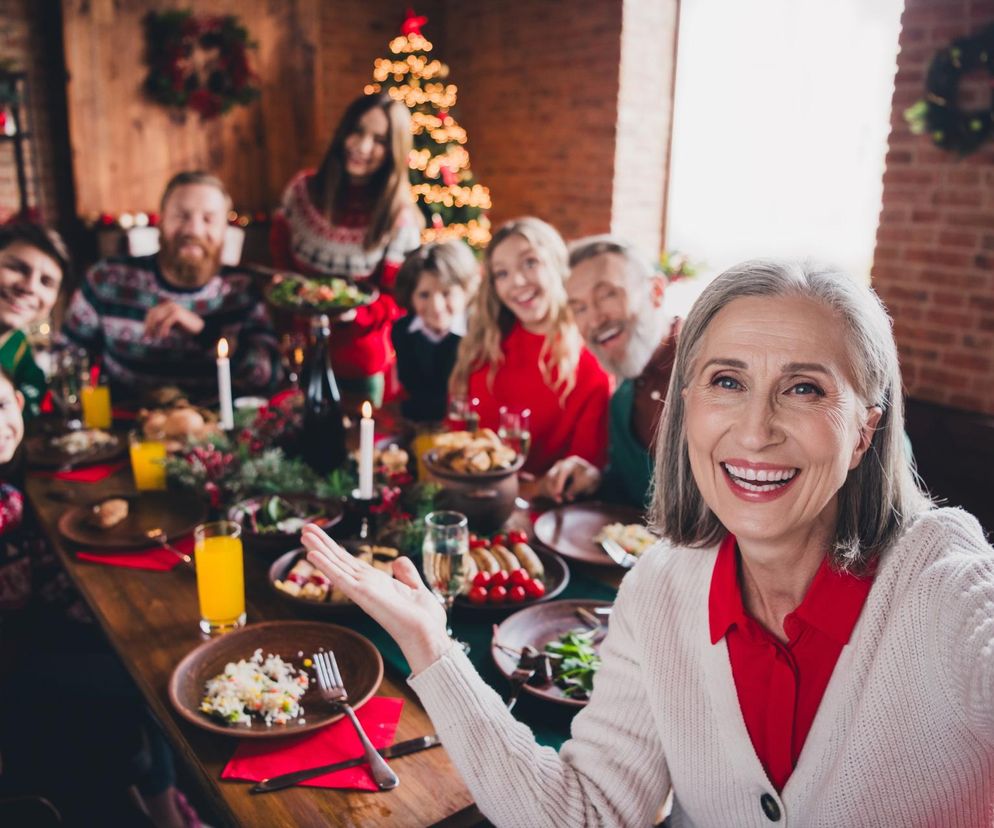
[497,595]
[481,579]
[517,594]
[478,595]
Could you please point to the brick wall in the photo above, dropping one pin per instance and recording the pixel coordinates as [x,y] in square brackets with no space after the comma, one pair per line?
[22,44]
[934,260]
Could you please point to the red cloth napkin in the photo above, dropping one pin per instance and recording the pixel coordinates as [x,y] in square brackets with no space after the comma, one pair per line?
[89,474]
[258,759]
[154,558]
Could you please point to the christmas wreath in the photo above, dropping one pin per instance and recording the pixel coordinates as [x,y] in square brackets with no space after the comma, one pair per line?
[939,115]
[200,63]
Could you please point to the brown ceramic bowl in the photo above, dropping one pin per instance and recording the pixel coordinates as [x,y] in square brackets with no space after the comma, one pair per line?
[358,660]
[486,498]
[537,626]
[275,543]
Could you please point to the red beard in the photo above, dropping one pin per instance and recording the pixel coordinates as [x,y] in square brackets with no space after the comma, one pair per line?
[191,272]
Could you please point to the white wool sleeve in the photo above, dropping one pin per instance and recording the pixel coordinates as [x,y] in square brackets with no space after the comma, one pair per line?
[612,771]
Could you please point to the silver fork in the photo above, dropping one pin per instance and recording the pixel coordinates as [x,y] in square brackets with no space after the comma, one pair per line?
[333,690]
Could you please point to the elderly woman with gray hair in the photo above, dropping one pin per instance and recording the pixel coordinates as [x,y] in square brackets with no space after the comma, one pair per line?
[812,642]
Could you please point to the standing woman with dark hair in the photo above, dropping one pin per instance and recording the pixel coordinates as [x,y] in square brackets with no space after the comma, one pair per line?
[354,217]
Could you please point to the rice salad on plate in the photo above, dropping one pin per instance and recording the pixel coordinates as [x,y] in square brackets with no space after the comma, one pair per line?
[266,687]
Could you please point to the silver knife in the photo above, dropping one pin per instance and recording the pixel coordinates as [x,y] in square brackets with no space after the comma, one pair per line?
[618,554]
[278,783]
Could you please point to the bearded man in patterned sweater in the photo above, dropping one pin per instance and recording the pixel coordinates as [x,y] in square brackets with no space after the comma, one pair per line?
[156,320]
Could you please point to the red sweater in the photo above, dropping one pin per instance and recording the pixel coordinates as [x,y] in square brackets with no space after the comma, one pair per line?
[303,240]
[579,426]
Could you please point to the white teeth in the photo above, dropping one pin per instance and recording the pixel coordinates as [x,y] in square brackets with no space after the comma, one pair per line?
[762,475]
[610,333]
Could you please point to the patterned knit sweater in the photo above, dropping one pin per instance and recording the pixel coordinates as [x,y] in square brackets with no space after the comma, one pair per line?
[302,239]
[106,316]
[904,735]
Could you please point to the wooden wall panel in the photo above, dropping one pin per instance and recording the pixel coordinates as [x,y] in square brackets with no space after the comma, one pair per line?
[125,147]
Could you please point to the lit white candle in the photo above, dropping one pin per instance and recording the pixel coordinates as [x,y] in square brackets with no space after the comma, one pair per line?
[366,426]
[224,385]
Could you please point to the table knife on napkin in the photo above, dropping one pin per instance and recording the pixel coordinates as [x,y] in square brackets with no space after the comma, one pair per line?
[278,783]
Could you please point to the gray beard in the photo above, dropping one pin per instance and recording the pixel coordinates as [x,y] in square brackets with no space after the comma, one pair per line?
[651,325]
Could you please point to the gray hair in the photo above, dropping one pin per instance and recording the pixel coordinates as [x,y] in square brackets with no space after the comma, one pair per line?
[591,246]
[881,496]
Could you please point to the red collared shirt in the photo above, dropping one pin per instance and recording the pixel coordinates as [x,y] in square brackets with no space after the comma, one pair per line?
[780,685]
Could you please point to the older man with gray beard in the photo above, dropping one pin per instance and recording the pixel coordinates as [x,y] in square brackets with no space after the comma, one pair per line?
[617,301]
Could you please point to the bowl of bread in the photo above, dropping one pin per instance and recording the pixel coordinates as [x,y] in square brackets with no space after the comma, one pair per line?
[478,474]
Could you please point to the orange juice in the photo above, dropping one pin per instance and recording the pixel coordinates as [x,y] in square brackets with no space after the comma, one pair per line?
[423,443]
[96,406]
[220,582]
[148,464]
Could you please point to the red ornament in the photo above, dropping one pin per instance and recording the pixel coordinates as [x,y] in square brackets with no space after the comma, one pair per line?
[448,177]
[153,219]
[412,24]
[436,221]
[107,220]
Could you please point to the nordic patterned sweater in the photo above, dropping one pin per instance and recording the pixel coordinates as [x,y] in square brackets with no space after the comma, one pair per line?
[106,316]
[904,735]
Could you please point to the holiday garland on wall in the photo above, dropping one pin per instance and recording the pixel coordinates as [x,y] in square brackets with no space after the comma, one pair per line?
[198,63]
[939,114]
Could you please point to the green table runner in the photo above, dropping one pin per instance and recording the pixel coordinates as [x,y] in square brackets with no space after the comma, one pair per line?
[550,722]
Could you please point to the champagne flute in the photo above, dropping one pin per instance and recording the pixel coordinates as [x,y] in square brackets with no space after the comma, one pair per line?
[446,546]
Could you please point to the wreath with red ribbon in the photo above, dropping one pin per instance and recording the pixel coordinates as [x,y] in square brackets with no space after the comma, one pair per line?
[198,63]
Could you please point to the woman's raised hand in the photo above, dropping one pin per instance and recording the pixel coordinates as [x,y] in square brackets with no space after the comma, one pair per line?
[401,604]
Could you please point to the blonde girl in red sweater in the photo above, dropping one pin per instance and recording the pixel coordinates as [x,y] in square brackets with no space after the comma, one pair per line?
[523,350]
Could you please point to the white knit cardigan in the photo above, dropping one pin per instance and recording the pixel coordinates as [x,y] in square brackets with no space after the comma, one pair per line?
[904,735]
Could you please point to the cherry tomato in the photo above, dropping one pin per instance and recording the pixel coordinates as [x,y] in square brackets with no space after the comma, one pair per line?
[481,579]
[498,540]
[518,577]
[498,579]
[478,543]
[517,594]
[497,595]
[534,588]
[517,537]
[478,595]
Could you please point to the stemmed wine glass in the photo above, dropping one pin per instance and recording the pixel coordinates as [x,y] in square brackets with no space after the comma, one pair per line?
[446,546]
[514,428]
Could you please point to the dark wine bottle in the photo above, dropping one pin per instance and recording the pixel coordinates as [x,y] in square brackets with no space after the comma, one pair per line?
[323,437]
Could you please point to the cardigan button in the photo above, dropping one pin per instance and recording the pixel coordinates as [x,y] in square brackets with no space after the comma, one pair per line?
[770,807]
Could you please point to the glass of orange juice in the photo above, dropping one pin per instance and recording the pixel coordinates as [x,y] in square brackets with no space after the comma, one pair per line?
[217,554]
[95,400]
[148,462]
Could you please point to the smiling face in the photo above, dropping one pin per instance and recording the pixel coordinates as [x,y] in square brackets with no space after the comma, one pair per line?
[194,221]
[621,322]
[366,145]
[29,285]
[11,420]
[773,422]
[437,302]
[521,280]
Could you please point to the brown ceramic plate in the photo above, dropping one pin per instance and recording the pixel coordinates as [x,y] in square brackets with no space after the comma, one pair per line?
[43,454]
[282,566]
[174,512]
[329,512]
[537,626]
[358,660]
[570,530]
[556,578]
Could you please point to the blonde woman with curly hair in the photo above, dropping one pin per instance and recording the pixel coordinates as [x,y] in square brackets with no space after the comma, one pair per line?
[523,350]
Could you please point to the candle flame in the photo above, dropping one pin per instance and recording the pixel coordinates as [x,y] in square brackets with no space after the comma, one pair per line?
[222,348]
[367,410]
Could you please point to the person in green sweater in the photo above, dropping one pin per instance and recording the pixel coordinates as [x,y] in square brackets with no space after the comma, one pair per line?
[617,301]
[34,264]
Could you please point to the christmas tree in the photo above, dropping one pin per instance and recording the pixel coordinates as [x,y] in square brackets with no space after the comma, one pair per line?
[453,203]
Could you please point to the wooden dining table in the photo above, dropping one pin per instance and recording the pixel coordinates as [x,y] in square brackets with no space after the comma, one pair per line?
[150,619]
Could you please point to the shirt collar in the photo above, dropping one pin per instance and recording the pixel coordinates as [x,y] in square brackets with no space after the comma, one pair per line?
[832,603]
[458,328]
